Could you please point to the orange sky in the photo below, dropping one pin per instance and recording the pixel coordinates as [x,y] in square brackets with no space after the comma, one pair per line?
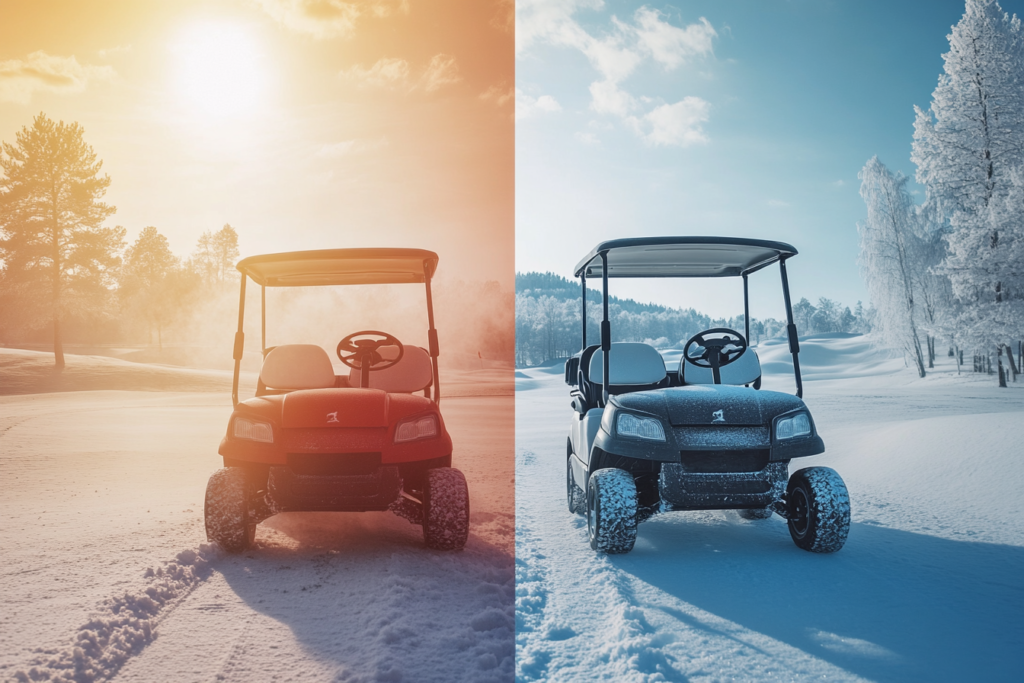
[302,123]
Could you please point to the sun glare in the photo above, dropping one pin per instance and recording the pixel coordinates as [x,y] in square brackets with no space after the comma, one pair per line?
[219,71]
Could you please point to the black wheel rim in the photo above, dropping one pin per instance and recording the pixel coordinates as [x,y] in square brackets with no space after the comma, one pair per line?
[799,506]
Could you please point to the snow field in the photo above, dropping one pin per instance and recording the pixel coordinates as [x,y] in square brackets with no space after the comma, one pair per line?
[928,587]
[105,486]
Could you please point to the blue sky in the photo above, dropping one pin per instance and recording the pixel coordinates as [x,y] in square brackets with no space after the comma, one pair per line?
[641,119]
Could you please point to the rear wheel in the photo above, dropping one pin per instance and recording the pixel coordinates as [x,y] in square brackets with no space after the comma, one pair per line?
[574,494]
[228,522]
[445,509]
[819,509]
[611,511]
[756,513]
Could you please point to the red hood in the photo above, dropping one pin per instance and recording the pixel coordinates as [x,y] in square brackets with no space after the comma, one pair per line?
[317,408]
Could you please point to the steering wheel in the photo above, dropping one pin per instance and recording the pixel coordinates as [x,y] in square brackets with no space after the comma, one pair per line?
[362,355]
[717,351]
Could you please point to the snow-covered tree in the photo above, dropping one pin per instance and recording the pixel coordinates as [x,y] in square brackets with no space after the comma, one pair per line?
[889,257]
[969,151]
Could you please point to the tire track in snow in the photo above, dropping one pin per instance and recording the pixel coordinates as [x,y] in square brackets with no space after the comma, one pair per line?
[123,625]
[630,648]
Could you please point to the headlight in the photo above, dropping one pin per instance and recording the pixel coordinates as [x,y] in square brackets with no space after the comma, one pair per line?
[253,430]
[798,425]
[639,427]
[423,427]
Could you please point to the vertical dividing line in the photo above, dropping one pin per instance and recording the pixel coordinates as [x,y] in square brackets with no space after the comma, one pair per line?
[239,343]
[794,342]
[263,319]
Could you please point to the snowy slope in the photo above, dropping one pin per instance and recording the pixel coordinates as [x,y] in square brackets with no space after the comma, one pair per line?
[930,586]
[107,576]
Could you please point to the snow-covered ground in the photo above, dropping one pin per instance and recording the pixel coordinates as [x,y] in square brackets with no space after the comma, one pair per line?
[930,585]
[106,574]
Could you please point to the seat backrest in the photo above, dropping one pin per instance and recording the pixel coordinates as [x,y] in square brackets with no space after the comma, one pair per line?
[744,370]
[297,366]
[413,373]
[630,364]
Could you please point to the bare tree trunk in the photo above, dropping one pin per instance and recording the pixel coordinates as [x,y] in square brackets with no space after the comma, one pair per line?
[959,359]
[1013,366]
[999,365]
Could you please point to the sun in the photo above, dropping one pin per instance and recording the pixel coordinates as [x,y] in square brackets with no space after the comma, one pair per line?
[219,70]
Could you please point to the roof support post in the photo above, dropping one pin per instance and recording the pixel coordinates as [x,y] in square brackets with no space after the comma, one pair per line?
[239,343]
[583,283]
[746,309]
[794,342]
[606,328]
[435,349]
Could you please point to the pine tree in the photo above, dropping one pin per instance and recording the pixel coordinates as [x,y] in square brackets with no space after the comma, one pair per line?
[54,250]
[144,288]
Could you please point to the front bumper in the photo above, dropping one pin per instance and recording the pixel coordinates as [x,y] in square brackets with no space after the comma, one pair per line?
[681,488]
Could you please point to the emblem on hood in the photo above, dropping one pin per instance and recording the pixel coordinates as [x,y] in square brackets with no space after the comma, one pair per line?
[333,417]
[718,416]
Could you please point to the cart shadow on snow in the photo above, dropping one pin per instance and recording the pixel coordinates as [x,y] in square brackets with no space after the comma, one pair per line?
[891,605]
[361,591]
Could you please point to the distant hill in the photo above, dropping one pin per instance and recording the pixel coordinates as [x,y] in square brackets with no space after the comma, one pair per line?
[550,284]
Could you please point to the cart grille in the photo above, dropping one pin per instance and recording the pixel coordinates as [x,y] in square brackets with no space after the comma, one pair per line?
[334,463]
[723,462]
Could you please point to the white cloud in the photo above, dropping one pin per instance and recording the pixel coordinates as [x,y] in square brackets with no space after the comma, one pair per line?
[388,72]
[527,106]
[329,18]
[587,138]
[671,45]
[676,124]
[499,94]
[615,56]
[778,204]
[607,98]
[107,52]
[20,78]
[442,71]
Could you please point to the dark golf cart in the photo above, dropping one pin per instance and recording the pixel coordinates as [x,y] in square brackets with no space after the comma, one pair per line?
[702,435]
[313,440]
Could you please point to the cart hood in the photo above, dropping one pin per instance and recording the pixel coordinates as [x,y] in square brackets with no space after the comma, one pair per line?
[711,405]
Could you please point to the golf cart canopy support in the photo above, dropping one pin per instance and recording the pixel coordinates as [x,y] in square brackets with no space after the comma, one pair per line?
[335,267]
[685,256]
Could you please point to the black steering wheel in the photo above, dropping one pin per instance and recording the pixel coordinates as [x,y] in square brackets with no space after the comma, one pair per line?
[362,355]
[718,351]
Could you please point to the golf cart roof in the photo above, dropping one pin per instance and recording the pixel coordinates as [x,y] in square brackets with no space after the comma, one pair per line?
[674,256]
[340,267]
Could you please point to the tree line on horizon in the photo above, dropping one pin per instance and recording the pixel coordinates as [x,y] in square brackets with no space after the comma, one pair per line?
[951,270]
[548,322]
[67,278]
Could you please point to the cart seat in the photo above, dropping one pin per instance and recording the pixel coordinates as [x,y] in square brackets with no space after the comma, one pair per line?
[744,370]
[413,373]
[297,366]
[631,364]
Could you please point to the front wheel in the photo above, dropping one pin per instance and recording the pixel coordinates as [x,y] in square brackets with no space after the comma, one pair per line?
[228,522]
[445,509]
[611,511]
[819,509]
